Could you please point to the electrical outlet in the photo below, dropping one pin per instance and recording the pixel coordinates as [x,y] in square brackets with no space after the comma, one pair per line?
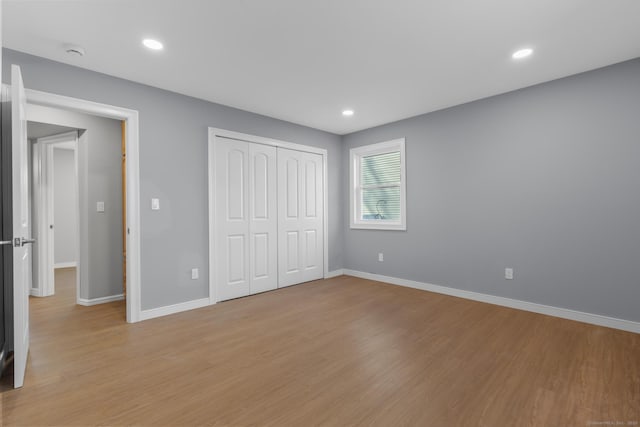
[508,273]
[380,257]
[100,206]
[155,204]
[194,273]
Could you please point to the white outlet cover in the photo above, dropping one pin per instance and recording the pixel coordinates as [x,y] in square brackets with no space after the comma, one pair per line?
[155,204]
[194,273]
[100,206]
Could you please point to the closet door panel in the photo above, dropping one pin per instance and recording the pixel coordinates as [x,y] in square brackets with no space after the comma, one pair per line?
[311,250]
[263,224]
[300,225]
[312,220]
[292,252]
[232,218]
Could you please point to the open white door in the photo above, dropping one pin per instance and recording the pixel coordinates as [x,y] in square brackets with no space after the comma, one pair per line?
[21,238]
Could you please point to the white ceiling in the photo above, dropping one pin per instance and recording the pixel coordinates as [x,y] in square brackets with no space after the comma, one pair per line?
[306,60]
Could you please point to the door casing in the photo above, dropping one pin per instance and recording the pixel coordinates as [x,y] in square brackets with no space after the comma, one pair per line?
[43,196]
[133,299]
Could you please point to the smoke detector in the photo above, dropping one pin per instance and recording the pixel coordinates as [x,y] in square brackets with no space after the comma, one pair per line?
[74,50]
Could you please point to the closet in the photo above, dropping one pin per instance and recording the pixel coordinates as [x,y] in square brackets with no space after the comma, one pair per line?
[268,222]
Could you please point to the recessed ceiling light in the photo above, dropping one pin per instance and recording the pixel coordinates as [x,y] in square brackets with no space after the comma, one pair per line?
[347,113]
[522,53]
[152,44]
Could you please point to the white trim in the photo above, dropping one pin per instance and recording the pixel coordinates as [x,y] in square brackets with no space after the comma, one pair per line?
[66,145]
[65,140]
[70,264]
[564,313]
[355,154]
[42,207]
[101,300]
[134,282]
[213,134]
[334,273]
[213,292]
[82,227]
[174,308]
[35,292]
[325,218]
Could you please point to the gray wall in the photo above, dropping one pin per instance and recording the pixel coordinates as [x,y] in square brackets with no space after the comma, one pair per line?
[544,180]
[100,179]
[104,169]
[173,167]
[64,206]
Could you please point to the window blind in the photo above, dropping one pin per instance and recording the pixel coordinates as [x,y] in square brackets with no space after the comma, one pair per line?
[380,177]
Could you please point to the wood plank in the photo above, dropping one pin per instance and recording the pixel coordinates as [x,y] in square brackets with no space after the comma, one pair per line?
[344,351]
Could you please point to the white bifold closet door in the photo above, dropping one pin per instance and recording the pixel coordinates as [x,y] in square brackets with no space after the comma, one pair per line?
[246,218]
[300,217]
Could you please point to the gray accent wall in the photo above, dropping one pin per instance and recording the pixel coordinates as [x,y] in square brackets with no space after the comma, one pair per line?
[64,206]
[173,168]
[543,180]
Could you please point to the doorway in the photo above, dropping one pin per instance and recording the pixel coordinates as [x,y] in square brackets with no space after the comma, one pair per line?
[54,202]
[131,235]
[77,205]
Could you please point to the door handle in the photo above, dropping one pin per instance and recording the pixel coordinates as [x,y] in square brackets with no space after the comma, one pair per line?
[5,242]
[25,241]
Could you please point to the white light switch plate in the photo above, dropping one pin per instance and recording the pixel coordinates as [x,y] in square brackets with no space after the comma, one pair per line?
[155,204]
[100,206]
[508,273]
[194,273]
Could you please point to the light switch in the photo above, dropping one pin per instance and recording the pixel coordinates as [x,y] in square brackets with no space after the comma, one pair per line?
[508,273]
[100,206]
[155,204]
[195,274]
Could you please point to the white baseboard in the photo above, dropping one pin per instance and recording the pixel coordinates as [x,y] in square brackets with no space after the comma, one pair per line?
[565,313]
[35,292]
[101,300]
[175,308]
[334,273]
[65,264]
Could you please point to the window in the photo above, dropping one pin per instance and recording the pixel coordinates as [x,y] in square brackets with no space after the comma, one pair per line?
[378,190]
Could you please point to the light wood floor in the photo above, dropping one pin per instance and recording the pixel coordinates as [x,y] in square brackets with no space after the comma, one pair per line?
[344,351]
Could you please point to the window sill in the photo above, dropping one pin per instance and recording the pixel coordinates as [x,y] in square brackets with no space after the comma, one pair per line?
[390,227]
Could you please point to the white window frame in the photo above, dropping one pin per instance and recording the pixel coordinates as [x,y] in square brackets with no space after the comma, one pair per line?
[355,194]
